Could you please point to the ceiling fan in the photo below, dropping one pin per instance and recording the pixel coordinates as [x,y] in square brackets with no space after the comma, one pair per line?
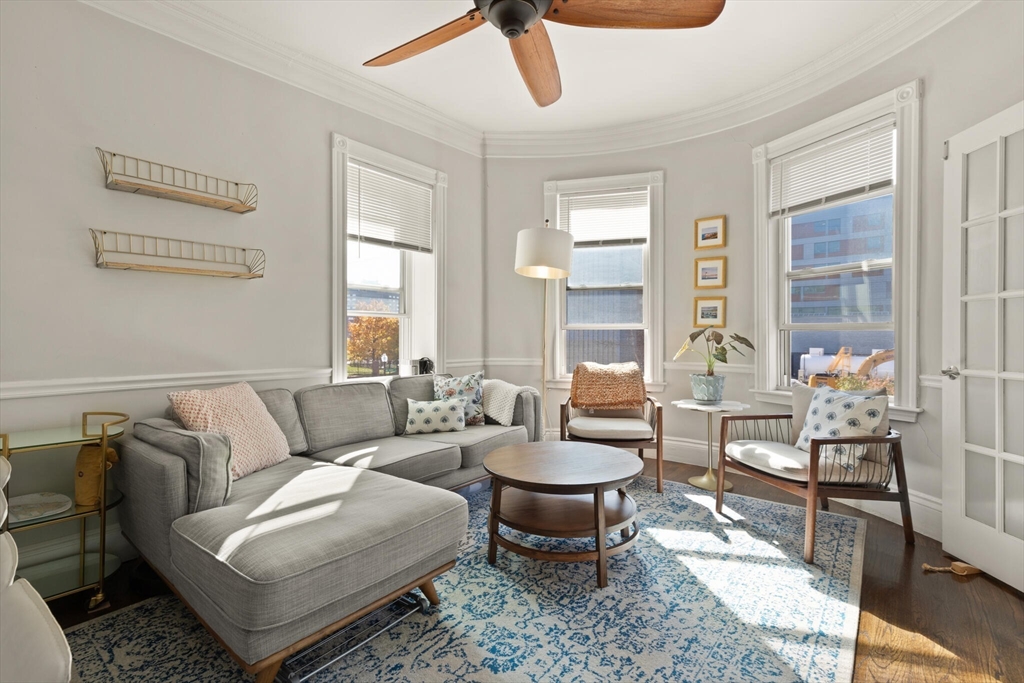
[520,22]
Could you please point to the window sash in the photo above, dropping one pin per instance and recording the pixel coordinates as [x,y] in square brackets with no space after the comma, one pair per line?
[388,209]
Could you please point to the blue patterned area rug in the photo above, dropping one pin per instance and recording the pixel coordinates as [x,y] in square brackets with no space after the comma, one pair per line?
[698,598]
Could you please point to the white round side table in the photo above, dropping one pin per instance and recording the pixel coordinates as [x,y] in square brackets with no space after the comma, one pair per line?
[708,482]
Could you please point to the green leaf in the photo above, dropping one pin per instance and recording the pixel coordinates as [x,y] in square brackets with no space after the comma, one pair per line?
[721,355]
[682,349]
[717,337]
[695,335]
[744,341]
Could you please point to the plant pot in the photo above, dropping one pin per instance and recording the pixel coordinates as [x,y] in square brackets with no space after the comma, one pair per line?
[707,389]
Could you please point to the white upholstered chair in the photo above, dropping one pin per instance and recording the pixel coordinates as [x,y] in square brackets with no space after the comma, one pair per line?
[32,646]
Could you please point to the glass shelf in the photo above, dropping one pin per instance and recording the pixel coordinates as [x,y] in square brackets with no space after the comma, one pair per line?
[58,437]
[74,512]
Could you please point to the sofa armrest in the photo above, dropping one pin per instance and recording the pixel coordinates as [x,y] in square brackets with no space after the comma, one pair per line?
[528,412]
[207,459]
[155,488]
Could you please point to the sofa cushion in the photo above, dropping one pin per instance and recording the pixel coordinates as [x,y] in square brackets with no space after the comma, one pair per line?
[789,462]
[418,388]
[304,534]
[476,442]
[281,406]
[257,442]
[340,414]
[405,458]
[610,428]
[207,459]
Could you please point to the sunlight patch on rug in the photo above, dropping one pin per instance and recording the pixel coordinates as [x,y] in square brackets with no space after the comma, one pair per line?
[701,597]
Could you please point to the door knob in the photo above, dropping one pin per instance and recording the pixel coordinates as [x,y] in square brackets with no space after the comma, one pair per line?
[951,372]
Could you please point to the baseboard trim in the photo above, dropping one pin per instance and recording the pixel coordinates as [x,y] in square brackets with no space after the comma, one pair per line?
[99,385]
[925,509]
[29,555]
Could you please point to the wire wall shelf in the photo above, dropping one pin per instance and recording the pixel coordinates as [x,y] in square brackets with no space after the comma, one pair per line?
[167,255]
[131,174]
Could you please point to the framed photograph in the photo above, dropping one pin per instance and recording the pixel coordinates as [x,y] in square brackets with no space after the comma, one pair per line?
[709,273]
[709,312]
[709,233]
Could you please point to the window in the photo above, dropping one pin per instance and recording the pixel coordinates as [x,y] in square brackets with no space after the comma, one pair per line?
[837,233]
[389,215]
[608,309]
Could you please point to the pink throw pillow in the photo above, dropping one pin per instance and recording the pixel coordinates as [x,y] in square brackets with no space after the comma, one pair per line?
[257,441]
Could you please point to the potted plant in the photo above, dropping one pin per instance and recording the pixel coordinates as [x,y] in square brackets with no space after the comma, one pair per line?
[708,387]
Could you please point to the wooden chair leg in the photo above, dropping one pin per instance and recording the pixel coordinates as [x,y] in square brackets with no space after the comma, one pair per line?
[824,503]
[640,452]
[812,511]
[901,483]
[269,673]
[720,483]
[429,592]
[660,435]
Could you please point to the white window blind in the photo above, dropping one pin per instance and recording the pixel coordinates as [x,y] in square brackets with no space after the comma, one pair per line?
[388,209]
[606,217]
[854,162]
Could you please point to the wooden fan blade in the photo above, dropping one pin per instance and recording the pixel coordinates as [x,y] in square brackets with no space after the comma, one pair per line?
[537,65]
[439,36]
[635,13]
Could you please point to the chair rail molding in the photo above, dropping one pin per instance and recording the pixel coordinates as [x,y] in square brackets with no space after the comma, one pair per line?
[99,385]
[205,29]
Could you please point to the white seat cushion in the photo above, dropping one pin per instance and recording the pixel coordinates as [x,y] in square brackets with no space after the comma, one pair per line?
[789,462]
[34,647]
[610,428]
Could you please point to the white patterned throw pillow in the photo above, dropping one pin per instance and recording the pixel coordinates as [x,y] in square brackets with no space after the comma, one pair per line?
[428,417]
[257,441]
[834,414]
[470,388]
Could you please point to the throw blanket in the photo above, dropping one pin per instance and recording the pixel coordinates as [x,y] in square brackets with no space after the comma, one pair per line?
[500,400]
[608,387]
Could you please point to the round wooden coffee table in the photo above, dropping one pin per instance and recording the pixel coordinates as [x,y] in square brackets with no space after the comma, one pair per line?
[563,489]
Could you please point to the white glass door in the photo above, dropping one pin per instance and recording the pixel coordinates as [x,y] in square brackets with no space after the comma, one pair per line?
[983,347]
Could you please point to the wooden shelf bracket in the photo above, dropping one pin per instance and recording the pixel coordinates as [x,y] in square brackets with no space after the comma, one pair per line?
[169,255]
[131,174]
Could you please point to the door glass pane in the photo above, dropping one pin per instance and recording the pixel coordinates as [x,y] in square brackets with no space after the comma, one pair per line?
[1013,416]
[981,182]
[1013,335]
[1013,253]
[604,306]
[1013,499]
[1014,178]
[861,297]
[859,360]
[603,346]
[849,233]
[980,487]
[979,249]
[980,409]
[979,332]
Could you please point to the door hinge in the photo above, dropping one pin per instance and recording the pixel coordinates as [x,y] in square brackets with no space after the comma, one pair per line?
[945,150]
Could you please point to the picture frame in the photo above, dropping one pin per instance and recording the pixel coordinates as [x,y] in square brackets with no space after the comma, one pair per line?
[709,273]
[708,311]
[709,233]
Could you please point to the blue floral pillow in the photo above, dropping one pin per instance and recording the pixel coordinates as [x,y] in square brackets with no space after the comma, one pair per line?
[470,388]
[833,413]
[429,417]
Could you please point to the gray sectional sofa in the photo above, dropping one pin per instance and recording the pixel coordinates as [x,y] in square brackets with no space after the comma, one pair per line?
[278,559]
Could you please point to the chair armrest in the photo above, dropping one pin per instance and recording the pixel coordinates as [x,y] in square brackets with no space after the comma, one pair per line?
[528,414]
[834,450]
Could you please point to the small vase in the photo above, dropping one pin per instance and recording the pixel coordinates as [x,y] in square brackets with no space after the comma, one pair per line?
[707,389]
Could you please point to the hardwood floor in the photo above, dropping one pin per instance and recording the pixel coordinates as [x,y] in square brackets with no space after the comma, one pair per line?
[914,627]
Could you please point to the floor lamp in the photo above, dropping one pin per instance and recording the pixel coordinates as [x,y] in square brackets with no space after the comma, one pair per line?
[544,253]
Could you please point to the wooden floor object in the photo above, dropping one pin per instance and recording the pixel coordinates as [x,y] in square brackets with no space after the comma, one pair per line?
[914,627]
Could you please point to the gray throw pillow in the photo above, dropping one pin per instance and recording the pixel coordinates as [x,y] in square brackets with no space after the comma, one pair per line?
[207,459]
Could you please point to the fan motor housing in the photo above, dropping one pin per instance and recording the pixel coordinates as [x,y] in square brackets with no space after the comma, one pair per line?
[513,17]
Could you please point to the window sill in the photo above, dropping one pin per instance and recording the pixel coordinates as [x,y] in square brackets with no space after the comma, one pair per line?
[785,398]
[652,387]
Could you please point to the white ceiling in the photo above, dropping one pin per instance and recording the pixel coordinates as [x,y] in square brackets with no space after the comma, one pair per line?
[609,77]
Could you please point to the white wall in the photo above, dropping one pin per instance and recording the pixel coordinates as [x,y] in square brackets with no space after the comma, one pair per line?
[74,78]
[971,68]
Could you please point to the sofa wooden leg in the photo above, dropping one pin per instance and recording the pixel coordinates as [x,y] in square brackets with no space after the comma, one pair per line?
[430,592]
[640,452]
[269,672]
[824,503]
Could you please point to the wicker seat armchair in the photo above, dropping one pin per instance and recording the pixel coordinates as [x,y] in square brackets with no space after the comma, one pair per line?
[760,446]
[617,428]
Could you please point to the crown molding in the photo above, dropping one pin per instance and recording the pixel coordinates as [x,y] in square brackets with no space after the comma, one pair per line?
[847,61]
[195,25]
[206,30]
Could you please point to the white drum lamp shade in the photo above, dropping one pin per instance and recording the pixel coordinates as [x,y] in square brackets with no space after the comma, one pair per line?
[544,253]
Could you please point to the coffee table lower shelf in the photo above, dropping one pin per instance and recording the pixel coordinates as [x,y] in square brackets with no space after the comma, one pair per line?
[564,516]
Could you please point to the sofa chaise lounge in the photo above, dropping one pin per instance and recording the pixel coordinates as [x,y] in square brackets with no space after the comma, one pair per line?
[274,561]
